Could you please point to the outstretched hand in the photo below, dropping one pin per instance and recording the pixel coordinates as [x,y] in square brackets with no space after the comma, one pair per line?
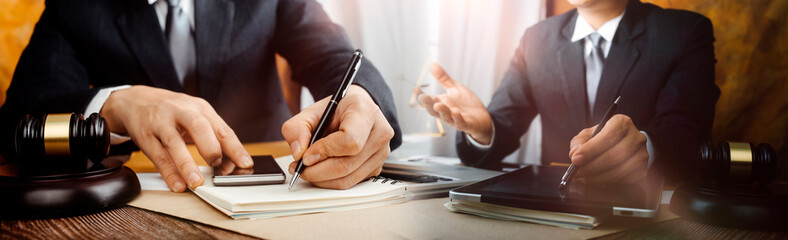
[458,107]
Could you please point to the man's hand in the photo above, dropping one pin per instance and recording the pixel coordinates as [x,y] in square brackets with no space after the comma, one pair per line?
[617,154]
[159,120]
[458,107]
[355,147]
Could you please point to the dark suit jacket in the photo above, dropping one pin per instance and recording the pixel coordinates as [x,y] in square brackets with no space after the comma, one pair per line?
[661,63]
[79,46]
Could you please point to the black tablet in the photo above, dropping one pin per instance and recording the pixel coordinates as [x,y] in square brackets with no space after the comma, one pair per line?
[536,187]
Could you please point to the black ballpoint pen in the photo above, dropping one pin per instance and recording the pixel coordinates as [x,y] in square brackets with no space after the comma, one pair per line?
[570,172]
[328,114]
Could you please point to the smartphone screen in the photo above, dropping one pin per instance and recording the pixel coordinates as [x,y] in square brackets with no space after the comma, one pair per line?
[265,171]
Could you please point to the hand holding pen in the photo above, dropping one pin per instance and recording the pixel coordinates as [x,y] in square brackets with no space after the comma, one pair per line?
[354,141]
[617,153]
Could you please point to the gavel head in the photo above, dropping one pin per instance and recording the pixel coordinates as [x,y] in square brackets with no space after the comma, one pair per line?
[737,163]
[62,136]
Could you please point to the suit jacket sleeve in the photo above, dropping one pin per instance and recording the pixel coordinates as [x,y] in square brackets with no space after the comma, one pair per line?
[511,110]
[685,107]
[49,78]
[318,52]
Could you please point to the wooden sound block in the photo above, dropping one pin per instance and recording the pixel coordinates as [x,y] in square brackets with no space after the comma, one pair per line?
[745,207]
[47,191]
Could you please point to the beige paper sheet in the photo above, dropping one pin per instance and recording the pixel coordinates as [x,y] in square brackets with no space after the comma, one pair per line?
[419,219]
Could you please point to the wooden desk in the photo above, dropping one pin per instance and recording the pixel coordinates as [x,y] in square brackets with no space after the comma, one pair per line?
[131,222]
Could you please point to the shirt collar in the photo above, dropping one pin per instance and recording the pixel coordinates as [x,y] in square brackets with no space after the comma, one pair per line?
[607,31]
[183,3]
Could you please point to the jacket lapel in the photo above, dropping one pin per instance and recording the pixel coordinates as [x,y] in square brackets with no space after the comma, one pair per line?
[570,57]
[213,24]
[140,28]
[622,57]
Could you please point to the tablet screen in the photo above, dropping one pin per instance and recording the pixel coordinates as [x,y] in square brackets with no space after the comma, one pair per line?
[536,187]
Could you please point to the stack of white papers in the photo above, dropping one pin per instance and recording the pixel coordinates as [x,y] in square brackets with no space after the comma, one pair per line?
[266,201]
[565,220]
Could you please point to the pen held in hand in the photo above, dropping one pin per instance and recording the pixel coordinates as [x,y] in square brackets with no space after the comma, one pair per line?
[572,170]
[328,114]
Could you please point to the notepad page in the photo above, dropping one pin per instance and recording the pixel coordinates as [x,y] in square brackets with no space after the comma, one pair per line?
[302,196]
[281,213]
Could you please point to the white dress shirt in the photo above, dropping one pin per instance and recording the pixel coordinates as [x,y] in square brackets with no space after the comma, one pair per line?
[162,7]
[607,31]
[97,102]
[581,31]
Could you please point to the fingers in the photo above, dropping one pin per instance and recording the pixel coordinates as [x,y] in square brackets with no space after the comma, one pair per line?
[631,148]
[578,141]
[441,76]
[161,159]
[161,121]
[617,154]
[199,129]
[297,130]
[458,119]
[226,167]
[417,91]
[356,149]
[337,167]
[611,159]
[618,127]
[428,102]
[438,106]
[291,167]
[371,167]
[172,142]
[342,167]
[354,130]
[444,112]
[230,145]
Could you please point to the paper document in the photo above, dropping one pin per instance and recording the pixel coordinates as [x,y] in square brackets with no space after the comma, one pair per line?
[266,201]
[558,219]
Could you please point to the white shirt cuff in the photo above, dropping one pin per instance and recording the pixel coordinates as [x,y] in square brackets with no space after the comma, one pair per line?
[97,103]
[649,149]
[479,145]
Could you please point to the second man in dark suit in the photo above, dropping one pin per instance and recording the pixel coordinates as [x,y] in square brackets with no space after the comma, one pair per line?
[571,67]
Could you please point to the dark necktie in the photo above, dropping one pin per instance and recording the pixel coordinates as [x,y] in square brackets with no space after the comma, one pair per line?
[181,42]
[594,64]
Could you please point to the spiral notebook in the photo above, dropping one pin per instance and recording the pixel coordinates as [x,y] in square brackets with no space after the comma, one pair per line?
[267,201]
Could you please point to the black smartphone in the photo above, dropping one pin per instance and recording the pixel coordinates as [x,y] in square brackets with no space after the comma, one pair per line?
[265,171]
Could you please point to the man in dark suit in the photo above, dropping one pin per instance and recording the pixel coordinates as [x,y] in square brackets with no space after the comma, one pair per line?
[570,68]
[132,61]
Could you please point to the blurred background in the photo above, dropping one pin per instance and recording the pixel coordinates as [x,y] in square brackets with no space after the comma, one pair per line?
[474,40]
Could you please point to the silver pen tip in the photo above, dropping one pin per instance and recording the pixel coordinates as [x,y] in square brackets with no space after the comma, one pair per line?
[292,181]
[616,102]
